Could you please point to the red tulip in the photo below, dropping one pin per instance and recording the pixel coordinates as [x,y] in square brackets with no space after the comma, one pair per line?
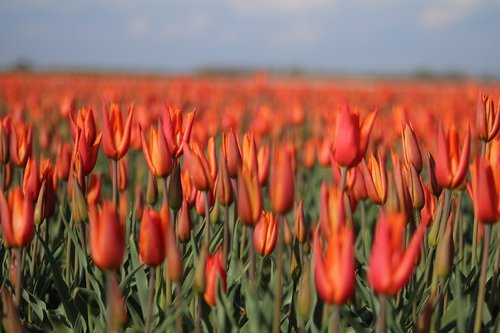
[151,239]
[231,149]
[107,236]
[116,137]
[451,165]
[264,159]
[265,234]
[282,182]
[31,181]
[63,161]
[88,151]
[20,144]
[175,135]
[483,192]
[391,266]
[17,218]
[334,273]
[5,127]
[487,119]
[85,123]
[411,149]
[157,154]
[214,273]
[351,137]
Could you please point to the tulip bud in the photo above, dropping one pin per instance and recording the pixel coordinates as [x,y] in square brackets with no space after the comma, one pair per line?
[411,149]
[264,159]
[174,257]
[79,210]
[445,251]
[249,197]
[415,188]
[231,151]
[138,203]
[199,281]
[265,234]
[223,186]
[174,194]
[287,232]
[304,299]
[214,274]
[214,212]
[17,219]
[39,207]
[184,223]
[300,227]
[425,318]
[5,127]
[31,181]
[63,161]
[282,185]
[151,239]
[295,264]
[431,175]
[151,190]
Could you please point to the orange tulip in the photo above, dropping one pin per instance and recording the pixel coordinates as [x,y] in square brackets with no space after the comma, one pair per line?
[309,154]
[411,150]
[31,181]
[331,209]
[249,153]
[46,202]
[151,239]
[107,236]
[88,151]
[451,164]
[375,176]
[299,223]
[63,161]
[334,273]
[223,186]
[175,135]
[249,197]
[391,266]
[20,144]
[5,127]
[214,272]
[265,234]
[487,119]
[157,154]
[85,123]
[184,223]
[231,149]
[197,165]
[17,218]
[282,182]
[483,192]
[351,137]
[264,159]
[116,137]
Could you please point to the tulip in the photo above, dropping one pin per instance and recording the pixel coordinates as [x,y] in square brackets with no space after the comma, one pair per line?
[17,218]
[263,160]
[157,154]
[138,202]
[197,165]
[309,154]
[265,234]
[85,123]
[487,119]
[31,181]
[184,223]
[249,153]
[174,257]
[63,161]
[151,190]
[445,251]
[351,137]
[331,209]
[107,236]
[151,239]
[415,188]
[431,175]
[390,266]
[287,232]
[174,194]
[334,273]
[88,151]
[20,144]
[5,127]
[249,197]
[411,150]
[94,190]
[281,185]
[375,176]
[223,186]
[299,225]
[451,165]
[483,192]
[213,273]
[46,202]
[231,151]
[175,135]
[116,137]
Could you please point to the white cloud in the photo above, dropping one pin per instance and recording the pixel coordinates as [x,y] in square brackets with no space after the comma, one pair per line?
[446,12]
[138,26]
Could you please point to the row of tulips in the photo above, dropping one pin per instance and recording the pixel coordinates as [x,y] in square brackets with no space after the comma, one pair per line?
[398,228]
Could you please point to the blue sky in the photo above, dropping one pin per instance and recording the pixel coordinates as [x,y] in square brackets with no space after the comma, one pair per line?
[356,36]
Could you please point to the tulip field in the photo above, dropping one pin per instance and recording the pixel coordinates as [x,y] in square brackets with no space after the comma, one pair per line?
[251,203]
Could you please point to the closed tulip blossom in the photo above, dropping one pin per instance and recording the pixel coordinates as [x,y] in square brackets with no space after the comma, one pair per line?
[223,186]
[17,218]
[265,234]
[451,162]
[411,149]
[5,128]
[107,236]
[375,176]
[483,192]
[391,265]
[197,165]
[214,275]
[175,135]
[487,118]
[231,149]
[351,137]
[282,181]
[116,135]
[249,198]
[156,153]
[151,239]
[85,122]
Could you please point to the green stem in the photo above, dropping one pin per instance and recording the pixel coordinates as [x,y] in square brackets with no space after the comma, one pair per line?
[151,293]
[482,278]
[83,233]
[207,218]
[251,254]
[109,301]
[495,269]
[68,252]
[381,315]
[336,320]
[19,276]
[226,241]
[197,321]
[114,164]
[343,178]
[178,305]
[278,285]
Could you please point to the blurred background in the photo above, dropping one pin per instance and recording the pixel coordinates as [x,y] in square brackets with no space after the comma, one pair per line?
[358,37]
